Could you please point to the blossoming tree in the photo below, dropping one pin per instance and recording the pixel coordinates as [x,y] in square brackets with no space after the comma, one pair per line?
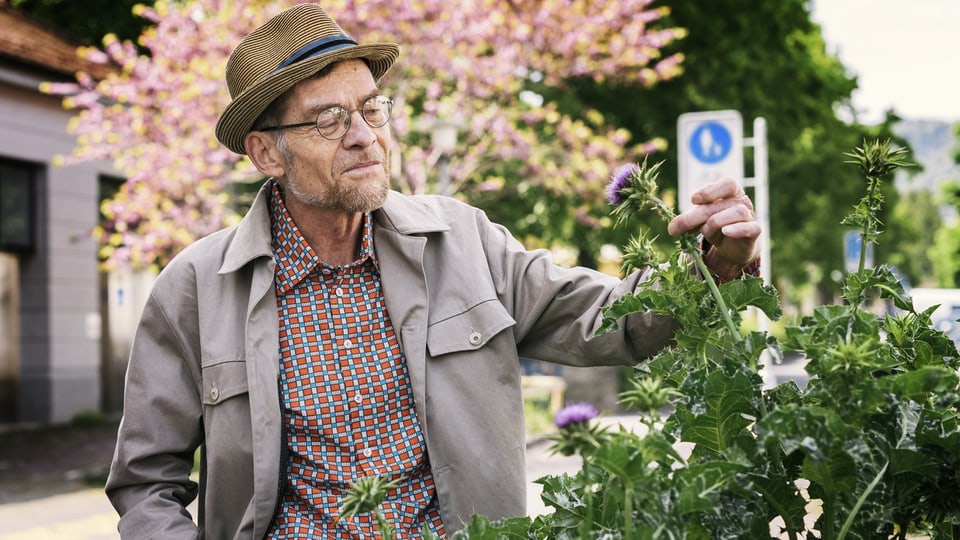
[476,66]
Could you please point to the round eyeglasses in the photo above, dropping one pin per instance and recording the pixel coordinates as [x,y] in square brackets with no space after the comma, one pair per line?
[333,122]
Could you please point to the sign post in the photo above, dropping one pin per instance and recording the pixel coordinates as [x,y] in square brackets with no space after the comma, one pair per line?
[711,146]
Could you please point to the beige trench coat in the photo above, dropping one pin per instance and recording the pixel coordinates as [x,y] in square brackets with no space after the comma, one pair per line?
[465,299]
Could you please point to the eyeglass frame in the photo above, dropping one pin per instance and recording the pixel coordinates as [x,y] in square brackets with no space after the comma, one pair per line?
[346,122]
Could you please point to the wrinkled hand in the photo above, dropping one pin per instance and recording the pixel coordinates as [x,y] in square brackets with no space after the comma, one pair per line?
[724,215]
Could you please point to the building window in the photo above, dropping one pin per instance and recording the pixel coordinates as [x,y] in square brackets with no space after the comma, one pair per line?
[18,203]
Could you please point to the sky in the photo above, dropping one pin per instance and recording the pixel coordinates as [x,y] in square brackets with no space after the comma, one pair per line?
[905,54]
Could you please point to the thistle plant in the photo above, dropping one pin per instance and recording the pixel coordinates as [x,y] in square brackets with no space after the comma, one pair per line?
[632,190]
[366,494]
[578,435]
[869,447]
[647,395]
[876,160]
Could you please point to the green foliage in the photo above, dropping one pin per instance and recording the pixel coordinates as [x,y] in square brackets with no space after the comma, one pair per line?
[87,21]
[365,495]
[481,528]
[945,253]
[869,448]
[908,243]
[769,60]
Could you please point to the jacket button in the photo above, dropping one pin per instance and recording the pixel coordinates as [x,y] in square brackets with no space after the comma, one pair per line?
[214,393]
[475,338]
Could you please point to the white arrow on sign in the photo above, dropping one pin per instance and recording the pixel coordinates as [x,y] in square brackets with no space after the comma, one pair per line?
[710,147]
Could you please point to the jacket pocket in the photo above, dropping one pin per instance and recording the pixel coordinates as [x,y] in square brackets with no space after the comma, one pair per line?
[223,380]
[469,330]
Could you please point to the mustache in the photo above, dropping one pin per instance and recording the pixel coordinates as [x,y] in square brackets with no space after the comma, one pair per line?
[366,156]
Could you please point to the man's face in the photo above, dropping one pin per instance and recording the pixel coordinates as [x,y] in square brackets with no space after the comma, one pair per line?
[349,174]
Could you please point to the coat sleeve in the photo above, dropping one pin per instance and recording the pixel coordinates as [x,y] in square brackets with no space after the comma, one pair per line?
[149,482]
[558,310]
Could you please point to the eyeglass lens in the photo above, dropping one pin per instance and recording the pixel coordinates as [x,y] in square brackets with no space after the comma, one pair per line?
[333,122]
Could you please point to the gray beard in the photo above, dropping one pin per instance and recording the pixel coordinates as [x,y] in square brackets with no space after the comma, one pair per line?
[347,200]
[365,199]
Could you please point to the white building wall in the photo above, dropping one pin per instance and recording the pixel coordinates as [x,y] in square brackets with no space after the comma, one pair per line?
[60,342]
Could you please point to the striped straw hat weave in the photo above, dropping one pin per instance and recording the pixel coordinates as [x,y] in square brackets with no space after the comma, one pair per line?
[287,49]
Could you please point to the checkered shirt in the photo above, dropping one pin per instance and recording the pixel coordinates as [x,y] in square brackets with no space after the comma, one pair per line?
[348,407]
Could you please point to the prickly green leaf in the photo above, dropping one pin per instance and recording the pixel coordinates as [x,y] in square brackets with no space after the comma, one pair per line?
[750,291]
[702,484]
[918,384]
[561,493]
[780,497]
[720,418]
[881,278]
[481,528]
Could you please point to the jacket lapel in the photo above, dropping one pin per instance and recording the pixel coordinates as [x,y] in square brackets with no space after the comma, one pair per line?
[253,241]
[400,236]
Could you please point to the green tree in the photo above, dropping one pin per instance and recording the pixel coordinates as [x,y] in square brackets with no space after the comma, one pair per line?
[945,252]
[769,60]
[87,21]
[908,245]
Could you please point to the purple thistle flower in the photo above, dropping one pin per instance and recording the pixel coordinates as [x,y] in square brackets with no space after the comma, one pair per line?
[619,181]
[575,413]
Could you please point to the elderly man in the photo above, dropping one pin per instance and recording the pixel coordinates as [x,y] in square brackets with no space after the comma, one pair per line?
[344,330]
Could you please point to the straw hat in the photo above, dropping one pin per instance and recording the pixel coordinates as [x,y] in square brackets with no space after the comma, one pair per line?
[289,48]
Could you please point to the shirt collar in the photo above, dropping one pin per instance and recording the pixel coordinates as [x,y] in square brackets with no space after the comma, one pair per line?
[295,258]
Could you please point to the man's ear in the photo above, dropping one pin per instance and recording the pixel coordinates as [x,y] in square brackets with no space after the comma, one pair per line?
[263,152]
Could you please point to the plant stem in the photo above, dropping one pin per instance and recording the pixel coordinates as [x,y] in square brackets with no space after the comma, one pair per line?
[856,508]
[721,305]
[386,530]
[829,509]
[872,184]
[694,251]
[587,524]
[627,509]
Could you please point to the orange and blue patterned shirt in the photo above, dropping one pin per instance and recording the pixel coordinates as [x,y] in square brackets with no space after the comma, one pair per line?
[348,408]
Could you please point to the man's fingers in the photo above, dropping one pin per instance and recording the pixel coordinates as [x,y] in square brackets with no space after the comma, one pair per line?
[725,188]
[713,215]
[743,229]
[732,214]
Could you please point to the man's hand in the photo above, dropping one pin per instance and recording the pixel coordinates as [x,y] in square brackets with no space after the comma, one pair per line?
[724,215]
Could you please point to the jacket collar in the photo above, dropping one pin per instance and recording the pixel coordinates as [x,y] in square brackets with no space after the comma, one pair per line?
[252,237]
[408,215]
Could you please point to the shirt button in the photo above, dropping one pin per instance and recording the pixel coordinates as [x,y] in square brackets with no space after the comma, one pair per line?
[214,393]
[358,398]
[475,338]
[339,291]
[347,344]
[367,452]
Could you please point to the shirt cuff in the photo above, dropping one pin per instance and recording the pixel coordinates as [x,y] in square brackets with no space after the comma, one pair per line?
[752,269]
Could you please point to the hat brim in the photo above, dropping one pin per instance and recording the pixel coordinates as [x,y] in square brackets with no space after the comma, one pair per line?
[238,118]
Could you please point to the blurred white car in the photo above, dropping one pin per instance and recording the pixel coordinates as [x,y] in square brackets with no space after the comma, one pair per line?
[945,317]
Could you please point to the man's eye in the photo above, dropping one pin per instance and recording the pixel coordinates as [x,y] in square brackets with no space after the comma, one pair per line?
[329,118]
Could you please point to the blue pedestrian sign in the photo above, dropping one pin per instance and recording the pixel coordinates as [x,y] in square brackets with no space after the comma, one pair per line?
[711,142]
[710,147]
